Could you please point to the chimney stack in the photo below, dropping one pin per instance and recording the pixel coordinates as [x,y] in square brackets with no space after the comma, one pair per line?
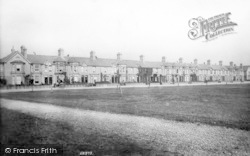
[241,66]
[163,59]
[92,55]
[231,64]
[208,62]
[119,56]
[141,58]
[180,60]
[60,52]
[195,61]
[220,63]
[12,50]
[24,51]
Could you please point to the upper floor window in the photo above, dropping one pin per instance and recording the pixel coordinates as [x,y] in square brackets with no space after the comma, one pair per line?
[18,67]
[74,68]
[50,68]
[1,68]
[36,67]
[46,68]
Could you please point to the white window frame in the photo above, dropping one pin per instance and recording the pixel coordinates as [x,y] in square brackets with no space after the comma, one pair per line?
[18,66]
[36,67]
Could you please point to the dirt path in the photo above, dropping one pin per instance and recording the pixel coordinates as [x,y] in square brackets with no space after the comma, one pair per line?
[185,138]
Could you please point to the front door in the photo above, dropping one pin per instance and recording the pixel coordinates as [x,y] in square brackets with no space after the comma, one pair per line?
[50,80]
[46,80]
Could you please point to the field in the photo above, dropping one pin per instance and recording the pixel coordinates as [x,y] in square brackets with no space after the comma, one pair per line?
[223,105]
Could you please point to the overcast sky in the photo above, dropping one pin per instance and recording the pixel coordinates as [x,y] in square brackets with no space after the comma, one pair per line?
[154,28]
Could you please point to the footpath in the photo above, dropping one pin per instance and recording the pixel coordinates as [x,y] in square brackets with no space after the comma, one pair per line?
[149,133]
[44,88]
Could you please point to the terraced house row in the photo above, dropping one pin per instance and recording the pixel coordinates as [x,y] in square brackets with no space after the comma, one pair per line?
[19,68]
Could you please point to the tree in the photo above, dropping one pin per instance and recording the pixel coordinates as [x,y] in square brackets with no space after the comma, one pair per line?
[3,81]
[27,79]
[66,80]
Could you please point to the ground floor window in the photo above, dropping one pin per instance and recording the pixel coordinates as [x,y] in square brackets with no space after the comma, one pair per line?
[48,80]
[84,78]
[16,80]
[36,79]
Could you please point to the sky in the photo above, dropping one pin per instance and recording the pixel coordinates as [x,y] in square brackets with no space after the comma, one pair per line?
[153,28]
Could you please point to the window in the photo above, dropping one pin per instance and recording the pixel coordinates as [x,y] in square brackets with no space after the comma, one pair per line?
[36,79]
[46,68]
[1,68]
[50,68]
[36,68]
[18,67]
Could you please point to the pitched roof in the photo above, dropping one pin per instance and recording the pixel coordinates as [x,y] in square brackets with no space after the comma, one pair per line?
[6,58]
[104,62]
[237,68]
[73,60]
[204,67]
[245,68]
[218,67]
[151,64]
[98,62]
[130,63]
[40,59]
[59,59]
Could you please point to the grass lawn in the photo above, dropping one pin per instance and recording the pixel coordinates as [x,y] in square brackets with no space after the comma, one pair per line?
[223,105]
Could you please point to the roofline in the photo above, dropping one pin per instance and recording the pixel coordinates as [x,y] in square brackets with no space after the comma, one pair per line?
[16,52]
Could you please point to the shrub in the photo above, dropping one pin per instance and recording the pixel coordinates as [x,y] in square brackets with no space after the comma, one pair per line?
[3,81]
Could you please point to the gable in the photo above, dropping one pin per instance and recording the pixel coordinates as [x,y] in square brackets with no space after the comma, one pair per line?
[17,58]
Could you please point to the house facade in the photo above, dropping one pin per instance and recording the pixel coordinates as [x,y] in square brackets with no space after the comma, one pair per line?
[19,68]
[246,71]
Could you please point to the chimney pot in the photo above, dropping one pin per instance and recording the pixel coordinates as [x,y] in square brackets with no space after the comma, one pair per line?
[195,61]
[231,63]
[60,52]
[24,51]
[141,58]
[163,59]
[119,56]
[180,60]
[92,55]
[208,62]
[12,49]
[220,63]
